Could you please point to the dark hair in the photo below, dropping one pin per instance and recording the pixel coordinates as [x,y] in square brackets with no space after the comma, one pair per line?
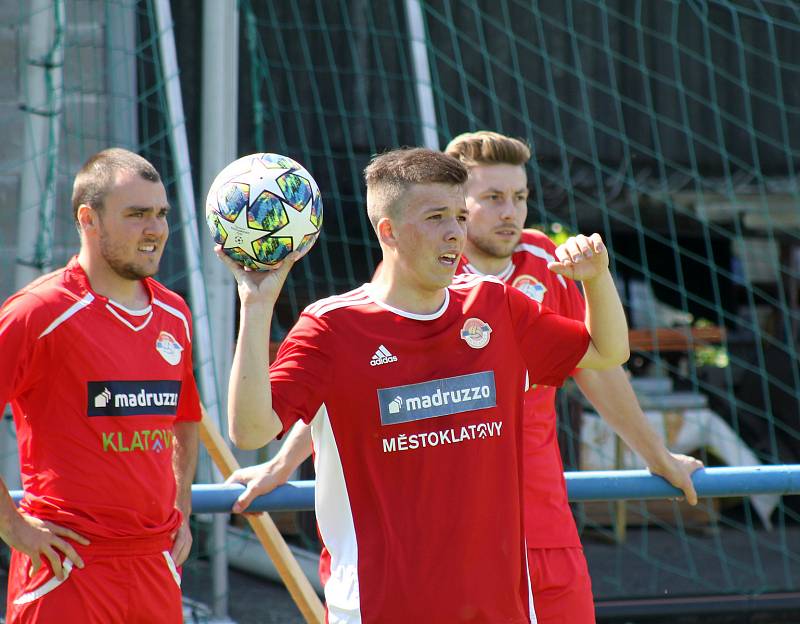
[389,175]
[488,148]
[96,176]
[416,165]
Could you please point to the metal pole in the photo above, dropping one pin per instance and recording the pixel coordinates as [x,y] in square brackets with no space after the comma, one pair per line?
[590,485]
[581,487]
[585,486]
[218,148]
[42,107]
[197,291]
[422,73]
[121,73]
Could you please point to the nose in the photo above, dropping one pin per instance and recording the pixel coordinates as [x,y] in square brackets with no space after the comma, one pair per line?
[507,210]
[156,225]
[456,230]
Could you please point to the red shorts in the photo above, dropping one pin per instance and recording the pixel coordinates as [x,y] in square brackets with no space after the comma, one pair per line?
[562,589]
[113,588]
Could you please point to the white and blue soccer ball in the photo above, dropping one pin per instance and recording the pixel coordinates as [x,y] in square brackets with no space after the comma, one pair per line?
[261,207]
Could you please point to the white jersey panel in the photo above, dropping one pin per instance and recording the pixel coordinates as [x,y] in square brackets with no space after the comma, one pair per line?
[531,608]
[335,522]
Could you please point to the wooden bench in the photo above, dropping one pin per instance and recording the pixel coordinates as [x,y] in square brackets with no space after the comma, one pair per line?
[674,339]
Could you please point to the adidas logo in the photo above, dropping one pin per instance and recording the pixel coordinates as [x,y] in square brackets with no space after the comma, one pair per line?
[382,356]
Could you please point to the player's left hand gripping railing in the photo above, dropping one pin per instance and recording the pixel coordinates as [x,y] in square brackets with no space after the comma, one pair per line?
[581,486]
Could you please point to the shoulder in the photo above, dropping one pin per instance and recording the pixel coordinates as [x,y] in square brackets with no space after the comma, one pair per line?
[165,295]
[170,303]
[325,320]
[345,302]
[491,299]
[44,303]
[537,244]
[48,289]
[477,287]
[531,257]
[469,281]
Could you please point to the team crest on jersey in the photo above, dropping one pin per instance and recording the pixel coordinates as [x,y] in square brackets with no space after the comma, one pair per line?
[169,348]
[476,333]
[530,286]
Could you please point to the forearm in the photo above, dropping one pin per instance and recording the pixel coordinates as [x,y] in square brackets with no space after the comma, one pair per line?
[184,464]
[294,451]
[252,421]
[611,394]
[605,320]
[9,515]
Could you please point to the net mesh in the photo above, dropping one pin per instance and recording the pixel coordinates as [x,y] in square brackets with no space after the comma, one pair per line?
[671,128]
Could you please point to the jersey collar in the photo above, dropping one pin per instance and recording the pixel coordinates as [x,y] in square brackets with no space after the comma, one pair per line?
[78,275]
[410,315]
[135,320]
[504,275]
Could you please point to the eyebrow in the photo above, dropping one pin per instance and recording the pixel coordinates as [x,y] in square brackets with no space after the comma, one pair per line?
[496,190]
[166,207]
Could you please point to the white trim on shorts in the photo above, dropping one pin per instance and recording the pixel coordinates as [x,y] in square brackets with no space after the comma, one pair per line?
[45,588]
[172,567]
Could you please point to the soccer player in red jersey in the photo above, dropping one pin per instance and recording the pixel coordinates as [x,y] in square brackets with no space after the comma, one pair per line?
[97,364]
[419,456]
[497,244]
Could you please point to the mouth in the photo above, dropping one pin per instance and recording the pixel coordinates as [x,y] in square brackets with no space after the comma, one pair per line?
[449,259]
[507,232]
[148,248]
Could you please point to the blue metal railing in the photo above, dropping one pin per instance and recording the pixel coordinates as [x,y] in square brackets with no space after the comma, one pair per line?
[581,486]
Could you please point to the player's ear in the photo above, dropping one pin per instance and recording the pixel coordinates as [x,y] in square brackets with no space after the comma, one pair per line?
[87,218]
[386,233]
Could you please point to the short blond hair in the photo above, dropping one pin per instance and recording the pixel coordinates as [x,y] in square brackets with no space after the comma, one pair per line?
[488,148]
[389,175]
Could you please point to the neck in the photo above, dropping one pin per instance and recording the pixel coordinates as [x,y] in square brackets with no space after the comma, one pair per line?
[486,264]
[406,294]
[106,282]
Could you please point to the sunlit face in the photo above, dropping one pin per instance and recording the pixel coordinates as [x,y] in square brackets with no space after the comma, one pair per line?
[430,233]
[132,226]
[497,202]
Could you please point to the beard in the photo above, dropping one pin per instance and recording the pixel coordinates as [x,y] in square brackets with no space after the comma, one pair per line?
[114,257]
[494,248]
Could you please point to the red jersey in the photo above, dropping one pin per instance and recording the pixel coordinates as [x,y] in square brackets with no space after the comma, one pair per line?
[548,520]
[418,456]
[95,390]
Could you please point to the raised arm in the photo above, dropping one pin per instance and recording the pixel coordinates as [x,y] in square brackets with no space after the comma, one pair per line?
[611,394]
[586,259]
[252,423]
